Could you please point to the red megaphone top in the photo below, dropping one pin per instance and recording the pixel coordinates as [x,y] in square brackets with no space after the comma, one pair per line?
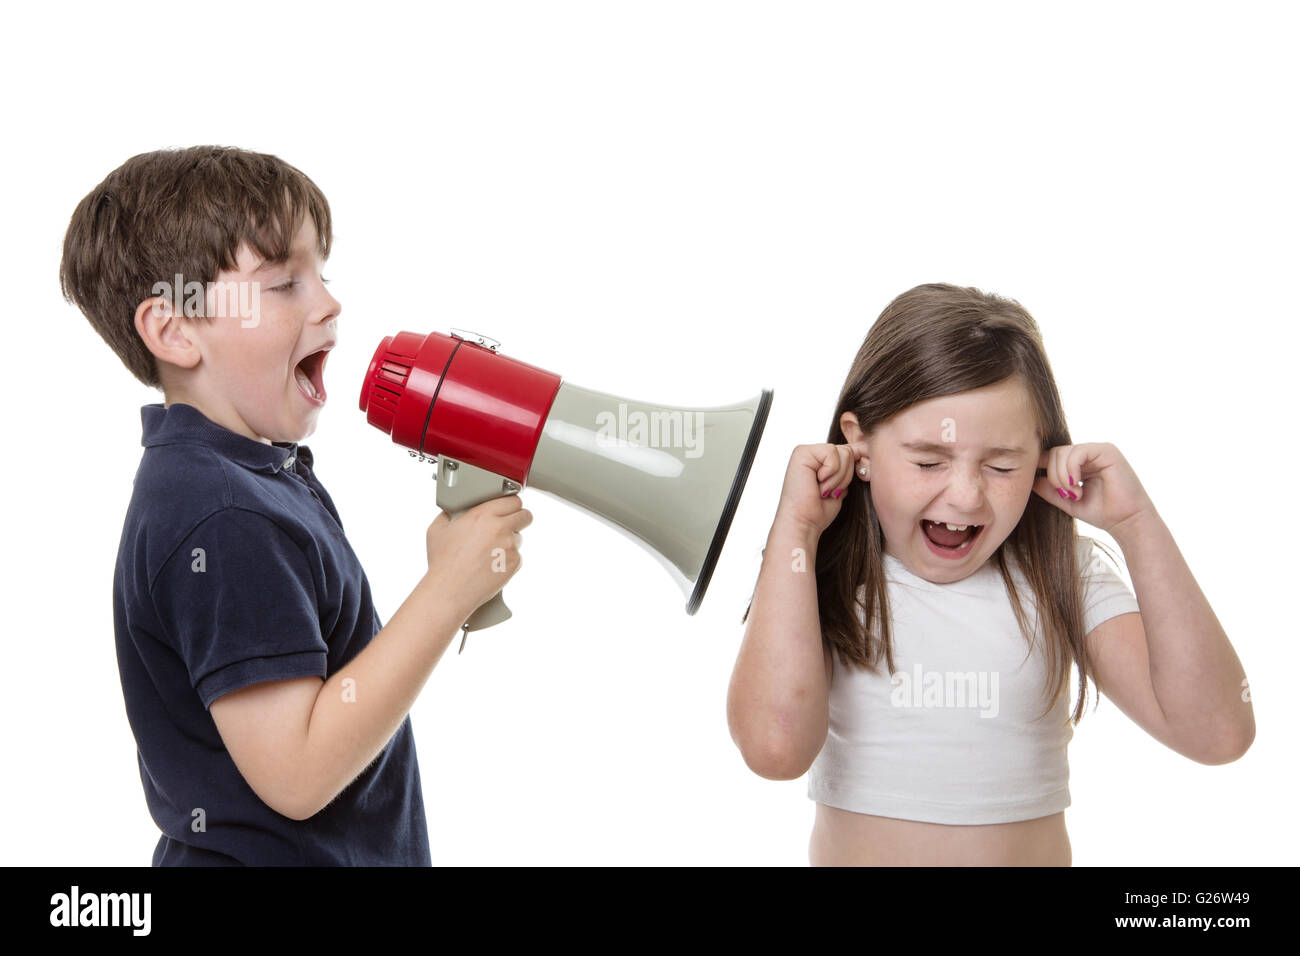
[446,395]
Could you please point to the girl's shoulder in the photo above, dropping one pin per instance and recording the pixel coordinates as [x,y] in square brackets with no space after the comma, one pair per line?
[1096,557]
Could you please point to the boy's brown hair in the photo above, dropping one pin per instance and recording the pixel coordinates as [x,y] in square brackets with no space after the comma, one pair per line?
[178,211]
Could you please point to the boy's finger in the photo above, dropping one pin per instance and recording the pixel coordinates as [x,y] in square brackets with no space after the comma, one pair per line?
[504,505]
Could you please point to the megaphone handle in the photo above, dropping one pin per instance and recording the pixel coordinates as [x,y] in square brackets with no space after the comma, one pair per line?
[460,487]
[492,611]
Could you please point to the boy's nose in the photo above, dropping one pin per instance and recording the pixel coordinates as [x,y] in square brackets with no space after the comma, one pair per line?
[332,307]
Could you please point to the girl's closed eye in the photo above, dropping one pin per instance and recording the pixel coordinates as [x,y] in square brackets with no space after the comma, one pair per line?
[936,464]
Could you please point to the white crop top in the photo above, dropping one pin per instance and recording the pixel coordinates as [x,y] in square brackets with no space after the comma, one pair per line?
[954,736]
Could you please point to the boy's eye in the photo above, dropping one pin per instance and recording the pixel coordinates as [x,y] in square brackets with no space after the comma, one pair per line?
[284,286]
[935,464]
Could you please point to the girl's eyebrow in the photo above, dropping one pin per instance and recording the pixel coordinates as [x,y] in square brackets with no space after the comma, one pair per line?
[946,449]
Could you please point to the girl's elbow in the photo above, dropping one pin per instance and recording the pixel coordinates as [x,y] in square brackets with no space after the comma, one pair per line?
[775,763]
[777,743]
[1237,747]
[1226,749]
[776,756]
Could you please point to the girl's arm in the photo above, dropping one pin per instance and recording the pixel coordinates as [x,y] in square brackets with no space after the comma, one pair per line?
[777,702]
[1192,693]
[1196,677]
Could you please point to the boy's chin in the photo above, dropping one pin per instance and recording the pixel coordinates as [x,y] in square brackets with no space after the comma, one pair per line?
[294,431]
[300,434]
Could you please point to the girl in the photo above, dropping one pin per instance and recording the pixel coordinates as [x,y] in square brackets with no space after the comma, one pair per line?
[946,495]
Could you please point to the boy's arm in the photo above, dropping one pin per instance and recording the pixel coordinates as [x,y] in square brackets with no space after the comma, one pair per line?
[299,742]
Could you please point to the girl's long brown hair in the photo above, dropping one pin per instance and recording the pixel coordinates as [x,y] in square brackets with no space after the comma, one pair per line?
[934,340]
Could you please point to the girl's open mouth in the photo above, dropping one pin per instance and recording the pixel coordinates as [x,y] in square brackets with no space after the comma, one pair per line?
[950,541]
[310,376]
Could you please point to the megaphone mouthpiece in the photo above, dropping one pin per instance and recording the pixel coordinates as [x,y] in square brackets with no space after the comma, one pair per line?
[444,395]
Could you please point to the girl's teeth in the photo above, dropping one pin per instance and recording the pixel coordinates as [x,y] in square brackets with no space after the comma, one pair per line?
[951,527]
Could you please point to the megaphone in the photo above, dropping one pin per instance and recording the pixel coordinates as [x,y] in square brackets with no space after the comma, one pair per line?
[666,476]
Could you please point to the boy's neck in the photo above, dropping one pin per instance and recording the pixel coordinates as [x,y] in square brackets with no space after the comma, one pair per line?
[171,396]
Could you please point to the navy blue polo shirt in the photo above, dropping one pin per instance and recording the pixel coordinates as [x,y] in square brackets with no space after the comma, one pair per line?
[233,569]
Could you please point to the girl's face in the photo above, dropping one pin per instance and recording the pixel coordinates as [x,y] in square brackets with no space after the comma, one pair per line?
[966,459]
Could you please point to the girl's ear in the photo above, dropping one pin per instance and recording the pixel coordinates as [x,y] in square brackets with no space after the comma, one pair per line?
[858,443]
[849,425]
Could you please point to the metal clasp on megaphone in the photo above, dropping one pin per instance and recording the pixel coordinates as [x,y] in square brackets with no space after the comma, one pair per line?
[478,339]
[461,486]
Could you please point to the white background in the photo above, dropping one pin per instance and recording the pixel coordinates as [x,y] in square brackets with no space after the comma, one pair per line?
[681,203]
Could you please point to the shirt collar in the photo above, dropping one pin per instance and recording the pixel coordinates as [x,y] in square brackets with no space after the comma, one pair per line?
[185,424]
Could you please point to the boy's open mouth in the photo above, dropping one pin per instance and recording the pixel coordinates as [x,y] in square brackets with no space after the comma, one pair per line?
[310,375]
[943,535]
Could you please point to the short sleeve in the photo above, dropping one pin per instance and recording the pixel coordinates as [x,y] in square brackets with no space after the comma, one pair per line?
[1105,593]
[237,602]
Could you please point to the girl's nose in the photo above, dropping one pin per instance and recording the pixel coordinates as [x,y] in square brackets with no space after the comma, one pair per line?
[966,491]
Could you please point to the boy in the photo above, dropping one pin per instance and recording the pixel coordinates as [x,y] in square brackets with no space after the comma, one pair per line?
[268,706]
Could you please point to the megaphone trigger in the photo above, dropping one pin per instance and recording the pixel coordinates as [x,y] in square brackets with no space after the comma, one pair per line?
[461,486]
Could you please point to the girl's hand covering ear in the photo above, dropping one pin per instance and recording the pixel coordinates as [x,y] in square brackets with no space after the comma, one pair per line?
[1094,483]
[816,481]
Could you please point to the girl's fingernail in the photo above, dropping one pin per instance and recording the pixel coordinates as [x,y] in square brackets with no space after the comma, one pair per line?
[1073,496]
[1060,492]
[838,492]
[826,493]
[1071,479]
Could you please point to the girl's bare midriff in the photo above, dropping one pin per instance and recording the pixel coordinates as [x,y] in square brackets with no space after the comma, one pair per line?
[841,838]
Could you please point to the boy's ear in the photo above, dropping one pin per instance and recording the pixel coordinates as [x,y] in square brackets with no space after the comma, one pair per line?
[166,334]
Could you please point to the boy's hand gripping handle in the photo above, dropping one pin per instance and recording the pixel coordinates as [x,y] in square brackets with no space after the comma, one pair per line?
[460,487]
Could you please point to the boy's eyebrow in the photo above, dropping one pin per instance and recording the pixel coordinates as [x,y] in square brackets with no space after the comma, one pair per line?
[267,263]
[946,449]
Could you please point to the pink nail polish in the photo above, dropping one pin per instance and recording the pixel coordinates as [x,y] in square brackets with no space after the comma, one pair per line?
[1060,492]
[838,492]
[1071,479]
[1073,496]
[826,493]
